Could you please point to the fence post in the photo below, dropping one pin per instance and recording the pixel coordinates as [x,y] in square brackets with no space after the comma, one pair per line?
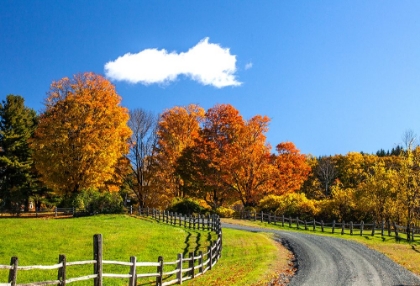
[255,215]
[73,212]
[13,271]
[282,220]
[191,264]
[290,221]
[159,278]
[362,224]
[306,225]
[210,255]
[314,225]
[297,222]
[262,216]
[275,218]
[322,225]
[179,267]
[351,228]
[269,218]
[97,255]
[333,226]
[200,261]
[133,271]
[131,209]
[343,225]
[62,270]
[373,228]
[55,211]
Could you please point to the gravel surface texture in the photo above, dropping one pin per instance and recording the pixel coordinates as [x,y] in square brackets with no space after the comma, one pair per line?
[324,260]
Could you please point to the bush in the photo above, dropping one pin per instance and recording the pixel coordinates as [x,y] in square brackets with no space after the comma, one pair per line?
[186,206]
[225,212]
[292,204]
[96,202]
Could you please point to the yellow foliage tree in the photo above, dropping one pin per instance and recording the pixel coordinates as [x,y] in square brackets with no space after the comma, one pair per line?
[377,194]
[82,135]
[408,186]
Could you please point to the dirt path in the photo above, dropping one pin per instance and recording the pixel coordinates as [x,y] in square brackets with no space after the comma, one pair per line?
[332,261]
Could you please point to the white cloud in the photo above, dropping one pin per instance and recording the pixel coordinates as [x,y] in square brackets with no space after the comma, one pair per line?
[248,66]
[207,63]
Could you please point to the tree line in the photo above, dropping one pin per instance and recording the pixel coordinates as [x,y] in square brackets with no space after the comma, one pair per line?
[86,150]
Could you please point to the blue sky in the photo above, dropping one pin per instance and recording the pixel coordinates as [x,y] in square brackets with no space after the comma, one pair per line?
[333,76]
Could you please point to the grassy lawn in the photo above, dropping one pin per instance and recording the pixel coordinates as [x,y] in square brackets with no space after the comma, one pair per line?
[40,241]
[402,252]
[247,258]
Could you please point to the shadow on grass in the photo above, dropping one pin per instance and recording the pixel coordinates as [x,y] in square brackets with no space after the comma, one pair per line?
[187,244]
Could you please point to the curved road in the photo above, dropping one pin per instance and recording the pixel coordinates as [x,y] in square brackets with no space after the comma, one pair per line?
[331,261]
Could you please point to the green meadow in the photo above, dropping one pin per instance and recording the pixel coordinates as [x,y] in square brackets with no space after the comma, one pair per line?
[247,258]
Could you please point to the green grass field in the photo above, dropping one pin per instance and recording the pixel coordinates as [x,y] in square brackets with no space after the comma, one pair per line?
[247,258]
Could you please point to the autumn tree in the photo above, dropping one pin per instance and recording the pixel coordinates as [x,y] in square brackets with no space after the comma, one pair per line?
[230,159]
[408,184]
[377,195]
[312,187]
[17,177]
[82,134]
[178,128]
[353,168]
[291,169]
[326,173]
[142,156]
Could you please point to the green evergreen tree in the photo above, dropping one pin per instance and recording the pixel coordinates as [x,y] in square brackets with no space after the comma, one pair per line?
[17,178]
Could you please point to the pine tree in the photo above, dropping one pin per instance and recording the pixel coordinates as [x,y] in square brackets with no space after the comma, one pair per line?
[17,179]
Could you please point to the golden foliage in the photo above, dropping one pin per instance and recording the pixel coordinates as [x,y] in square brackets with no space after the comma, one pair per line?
[82,134]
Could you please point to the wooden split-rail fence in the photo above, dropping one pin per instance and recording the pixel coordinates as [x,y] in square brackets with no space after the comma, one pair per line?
[181,269]
[344,227]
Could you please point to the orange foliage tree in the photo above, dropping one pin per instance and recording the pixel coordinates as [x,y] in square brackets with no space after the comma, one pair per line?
[292,169]
[177,129]
[82,135]
[230,160]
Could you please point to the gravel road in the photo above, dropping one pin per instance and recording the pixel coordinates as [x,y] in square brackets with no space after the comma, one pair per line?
[331,261]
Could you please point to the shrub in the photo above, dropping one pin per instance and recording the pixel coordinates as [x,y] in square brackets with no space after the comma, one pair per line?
[186,206]
[225,212]
[292,204]
[96,202]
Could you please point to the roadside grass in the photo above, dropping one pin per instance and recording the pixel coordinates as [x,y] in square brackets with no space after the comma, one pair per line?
[405,253]
[247,258]
[40,241]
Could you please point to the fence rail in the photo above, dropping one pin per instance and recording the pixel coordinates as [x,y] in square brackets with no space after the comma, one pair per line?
[185,268]
[46,212]
[343,227]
